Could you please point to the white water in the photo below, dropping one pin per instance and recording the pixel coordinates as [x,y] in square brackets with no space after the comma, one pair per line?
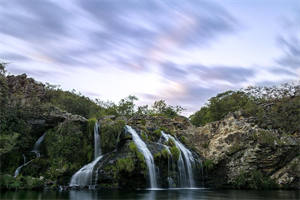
[97,147]
[142,147]
[36,147]
[36,150]
[17,172]
[184,162]
[84,176]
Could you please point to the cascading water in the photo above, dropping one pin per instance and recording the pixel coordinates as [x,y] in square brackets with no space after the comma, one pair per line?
[97,147]
[184,162]
[36,150]
[36,147]
[84,176]
[142,147]
[17,172]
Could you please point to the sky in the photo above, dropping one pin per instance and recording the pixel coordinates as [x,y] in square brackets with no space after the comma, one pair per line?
[182,51]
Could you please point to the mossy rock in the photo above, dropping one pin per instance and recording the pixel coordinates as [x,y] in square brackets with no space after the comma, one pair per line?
[68,149]
[175,153]
[125,168]
[110,134]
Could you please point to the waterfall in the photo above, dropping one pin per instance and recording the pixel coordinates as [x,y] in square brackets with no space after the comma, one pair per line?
[17,172]
[37,145]
[142,147]
[184,162]
[36,150]
[84,176]
[97,148]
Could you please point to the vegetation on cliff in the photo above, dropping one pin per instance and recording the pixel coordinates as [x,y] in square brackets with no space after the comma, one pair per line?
[29,109]
[270,107]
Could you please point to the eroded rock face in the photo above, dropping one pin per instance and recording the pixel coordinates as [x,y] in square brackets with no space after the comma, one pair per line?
[237,151]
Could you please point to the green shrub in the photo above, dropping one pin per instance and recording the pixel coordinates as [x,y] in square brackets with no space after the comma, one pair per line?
[165,153]
[157,133]
[218,107]
[144,136]
[254,180]
[125,164]
[90,127]
[140,157]
[133,147]
[208,164]
[110,132]
[171,142]
[175,152]
[21,182]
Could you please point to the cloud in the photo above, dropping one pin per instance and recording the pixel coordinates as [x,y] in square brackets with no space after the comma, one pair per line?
[291,48]
[7,56]
[142,46]
[32,20]
[230,74]
[126,34]
[289,41]
[147,30]
[172,71]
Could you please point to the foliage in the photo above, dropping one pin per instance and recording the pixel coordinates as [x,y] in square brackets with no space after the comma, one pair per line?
[253,180]
[21,182]
[125,164]
[67,148]
[125,107]
[165,153]
[272,107]
[171,142]
[138,154]
[208,164]
[160,107]
[90,128]
[218,107]
[3,91]
[7,142]
[72,102]
[175,153]
[110,132]
[265,137]
[144,136]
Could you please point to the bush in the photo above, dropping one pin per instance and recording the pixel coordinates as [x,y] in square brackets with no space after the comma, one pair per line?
[110,132]
[208,164]
[254,180]
[21,182]
[175,153]
[218,107]
[125,164]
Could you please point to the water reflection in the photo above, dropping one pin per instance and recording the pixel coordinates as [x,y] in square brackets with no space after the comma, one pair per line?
[174,194]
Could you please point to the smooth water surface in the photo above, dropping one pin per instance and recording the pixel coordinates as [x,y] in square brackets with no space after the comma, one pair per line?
[173,194]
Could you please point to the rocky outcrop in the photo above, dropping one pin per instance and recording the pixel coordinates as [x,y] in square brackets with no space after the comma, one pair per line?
[24,91]
[238,152]
[235,152]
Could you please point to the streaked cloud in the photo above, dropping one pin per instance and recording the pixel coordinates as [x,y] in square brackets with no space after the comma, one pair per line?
[181,51]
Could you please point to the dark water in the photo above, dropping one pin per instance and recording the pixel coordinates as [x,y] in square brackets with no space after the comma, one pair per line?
[200,194]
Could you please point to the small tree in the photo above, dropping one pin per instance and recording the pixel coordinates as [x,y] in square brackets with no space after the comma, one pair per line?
[2,69]
[160,107]
[126,106]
